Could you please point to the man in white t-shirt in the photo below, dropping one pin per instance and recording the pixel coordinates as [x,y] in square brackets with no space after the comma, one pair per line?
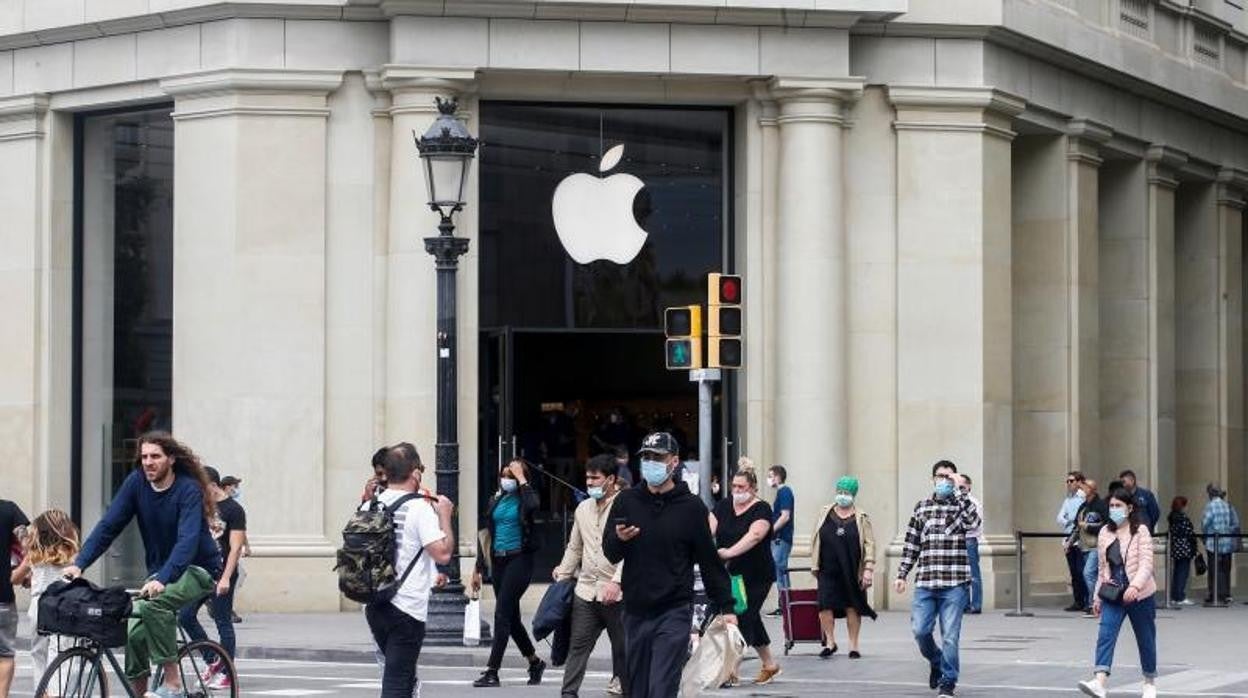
[422,527]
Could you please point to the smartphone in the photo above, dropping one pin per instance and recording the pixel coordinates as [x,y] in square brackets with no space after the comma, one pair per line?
[620,520]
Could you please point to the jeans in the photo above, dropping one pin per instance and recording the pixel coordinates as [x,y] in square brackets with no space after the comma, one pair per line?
[1143,615]
[946,605]
[1178,580]
[221,608]
[589,619]
[1090,570]
[400,638]
[658,646]
[152,636]
[1222,580]
[511,579]
[1078,586]
[976,602]
[780,550]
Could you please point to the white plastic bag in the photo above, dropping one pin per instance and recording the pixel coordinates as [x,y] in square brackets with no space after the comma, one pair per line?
[472,622]
[716,657]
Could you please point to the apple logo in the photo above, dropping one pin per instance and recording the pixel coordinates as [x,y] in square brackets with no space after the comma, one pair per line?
[594,215]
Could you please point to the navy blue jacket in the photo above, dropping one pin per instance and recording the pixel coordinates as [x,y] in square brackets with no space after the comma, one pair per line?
[175,534]
[1146,503]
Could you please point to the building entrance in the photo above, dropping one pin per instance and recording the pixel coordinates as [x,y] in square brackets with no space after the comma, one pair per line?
[593,220]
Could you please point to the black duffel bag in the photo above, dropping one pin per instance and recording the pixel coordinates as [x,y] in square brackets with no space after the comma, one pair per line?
[79,608]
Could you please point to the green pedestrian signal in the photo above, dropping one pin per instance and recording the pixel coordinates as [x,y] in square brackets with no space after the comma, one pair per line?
[681,354]
[683,327]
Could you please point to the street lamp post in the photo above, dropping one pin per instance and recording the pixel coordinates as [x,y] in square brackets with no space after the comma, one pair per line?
[447,150]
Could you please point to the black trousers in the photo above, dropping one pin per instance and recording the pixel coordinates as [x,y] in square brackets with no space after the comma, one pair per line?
[399,636]
[751,621]
[1078,587]
[511,579]
[589,619]
[658,646]
[1223,579]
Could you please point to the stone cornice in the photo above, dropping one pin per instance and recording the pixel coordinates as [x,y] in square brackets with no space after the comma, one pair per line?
[1163,165]
[1084,139]
[256,81]
[1232,187]
[956,99]
[22,117]
[787,89]
[789,13]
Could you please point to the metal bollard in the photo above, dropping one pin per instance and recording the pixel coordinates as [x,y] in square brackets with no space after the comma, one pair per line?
[1018,611]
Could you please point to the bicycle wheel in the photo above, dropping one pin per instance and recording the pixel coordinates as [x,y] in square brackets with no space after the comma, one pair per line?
[207,671]
[76,673]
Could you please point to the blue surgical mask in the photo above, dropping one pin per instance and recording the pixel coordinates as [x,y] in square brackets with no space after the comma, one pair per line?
[508,484]
[944,489]
[844,501]
[597,492]
[1117,515]
[654,472]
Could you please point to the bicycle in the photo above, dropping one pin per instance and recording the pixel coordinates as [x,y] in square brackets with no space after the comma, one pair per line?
[79,671]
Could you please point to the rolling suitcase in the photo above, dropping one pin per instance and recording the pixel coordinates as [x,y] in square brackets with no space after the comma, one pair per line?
[799,609]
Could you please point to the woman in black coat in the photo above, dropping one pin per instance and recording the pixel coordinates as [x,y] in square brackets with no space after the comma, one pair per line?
[1182,550]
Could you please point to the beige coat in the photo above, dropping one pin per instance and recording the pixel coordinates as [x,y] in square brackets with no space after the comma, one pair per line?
[866,541]
[584,556]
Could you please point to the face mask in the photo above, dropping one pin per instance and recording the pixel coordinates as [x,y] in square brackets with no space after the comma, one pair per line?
[237,494]
[741,497]
[844,501]
[597,492]
[771,482]
[508,484]
[654,472]
[1117,515]
[715,488]
[944,489]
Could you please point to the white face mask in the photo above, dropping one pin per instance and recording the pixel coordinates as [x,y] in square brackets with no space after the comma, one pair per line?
[771,482]
[741,497]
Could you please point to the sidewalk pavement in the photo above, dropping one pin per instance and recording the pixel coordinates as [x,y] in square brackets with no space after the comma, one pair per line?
[1197,641]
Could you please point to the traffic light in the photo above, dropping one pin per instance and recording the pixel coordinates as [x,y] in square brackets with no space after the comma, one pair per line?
[724,322]
[683,327]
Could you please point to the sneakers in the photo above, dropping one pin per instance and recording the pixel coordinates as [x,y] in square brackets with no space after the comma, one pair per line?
[1093,688]
[1088,613]
[489,679]
[732,682]
[1186,602]
[220,682]
[933,677]
[163,691]
[1073,608]
[1150,691]
[945,691]
[765,675]
[211,671]
[614,687]
[536,669]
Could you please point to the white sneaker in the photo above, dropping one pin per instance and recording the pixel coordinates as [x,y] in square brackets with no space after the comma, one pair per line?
[1093,688]
[1186,602]
[1150,691]
[614,688]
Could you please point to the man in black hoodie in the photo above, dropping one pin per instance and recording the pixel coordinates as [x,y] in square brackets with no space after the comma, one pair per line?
[660,530]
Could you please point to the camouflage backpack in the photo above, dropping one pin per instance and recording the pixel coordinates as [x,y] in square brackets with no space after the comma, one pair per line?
[368,554]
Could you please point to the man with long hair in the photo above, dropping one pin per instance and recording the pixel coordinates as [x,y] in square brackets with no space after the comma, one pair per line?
[169,494]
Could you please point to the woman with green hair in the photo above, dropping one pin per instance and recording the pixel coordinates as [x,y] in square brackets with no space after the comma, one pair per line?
[842,554]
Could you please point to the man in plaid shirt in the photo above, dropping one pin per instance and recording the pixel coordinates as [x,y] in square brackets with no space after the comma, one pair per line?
[936,542]
[1220,517]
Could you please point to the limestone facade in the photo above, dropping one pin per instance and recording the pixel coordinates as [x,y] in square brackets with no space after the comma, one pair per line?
[1004,232]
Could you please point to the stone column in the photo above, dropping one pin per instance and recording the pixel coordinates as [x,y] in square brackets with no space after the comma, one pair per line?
[411,313]
[1083,261]
[23,200]
[1233,472]
[1163,163]
[249,371]
[954,375]
[810,408]
[1198,347]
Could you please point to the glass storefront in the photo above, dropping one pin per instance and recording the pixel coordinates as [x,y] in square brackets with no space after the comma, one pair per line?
[124,318]
[572,353]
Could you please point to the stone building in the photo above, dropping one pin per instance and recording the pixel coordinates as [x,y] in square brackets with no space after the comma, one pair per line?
[1005,232]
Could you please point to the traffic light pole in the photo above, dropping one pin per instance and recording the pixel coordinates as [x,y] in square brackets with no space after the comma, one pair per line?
[705,378]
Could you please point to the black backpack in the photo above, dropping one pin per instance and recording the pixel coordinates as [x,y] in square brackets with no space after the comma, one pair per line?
[368,554]
[79,608]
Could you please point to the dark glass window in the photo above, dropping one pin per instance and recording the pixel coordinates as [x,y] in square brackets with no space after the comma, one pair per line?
[529,280]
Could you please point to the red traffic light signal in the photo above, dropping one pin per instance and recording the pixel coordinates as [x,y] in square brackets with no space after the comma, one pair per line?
[729,289]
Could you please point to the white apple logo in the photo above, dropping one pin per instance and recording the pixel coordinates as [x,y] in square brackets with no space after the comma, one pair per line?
[594,215]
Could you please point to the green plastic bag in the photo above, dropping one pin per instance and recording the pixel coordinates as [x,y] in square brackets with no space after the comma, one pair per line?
[738,594]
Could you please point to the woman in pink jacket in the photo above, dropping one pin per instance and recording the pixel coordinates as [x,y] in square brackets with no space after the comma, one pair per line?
[1124,589]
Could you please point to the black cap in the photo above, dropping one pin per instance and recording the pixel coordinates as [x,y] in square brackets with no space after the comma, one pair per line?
[230,480]
[659,442]
[213,476]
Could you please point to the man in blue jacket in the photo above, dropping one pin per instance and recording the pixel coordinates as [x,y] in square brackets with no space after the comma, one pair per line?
[168,496]
[1145,501]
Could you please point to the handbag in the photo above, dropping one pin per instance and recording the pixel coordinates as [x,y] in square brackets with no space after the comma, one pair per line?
[472,622]
[1110,593]
[79,608]
[1201,566]
[738,594]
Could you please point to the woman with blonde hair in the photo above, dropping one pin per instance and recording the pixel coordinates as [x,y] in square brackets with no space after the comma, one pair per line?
[741,525]
[51,542]
[842,554]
